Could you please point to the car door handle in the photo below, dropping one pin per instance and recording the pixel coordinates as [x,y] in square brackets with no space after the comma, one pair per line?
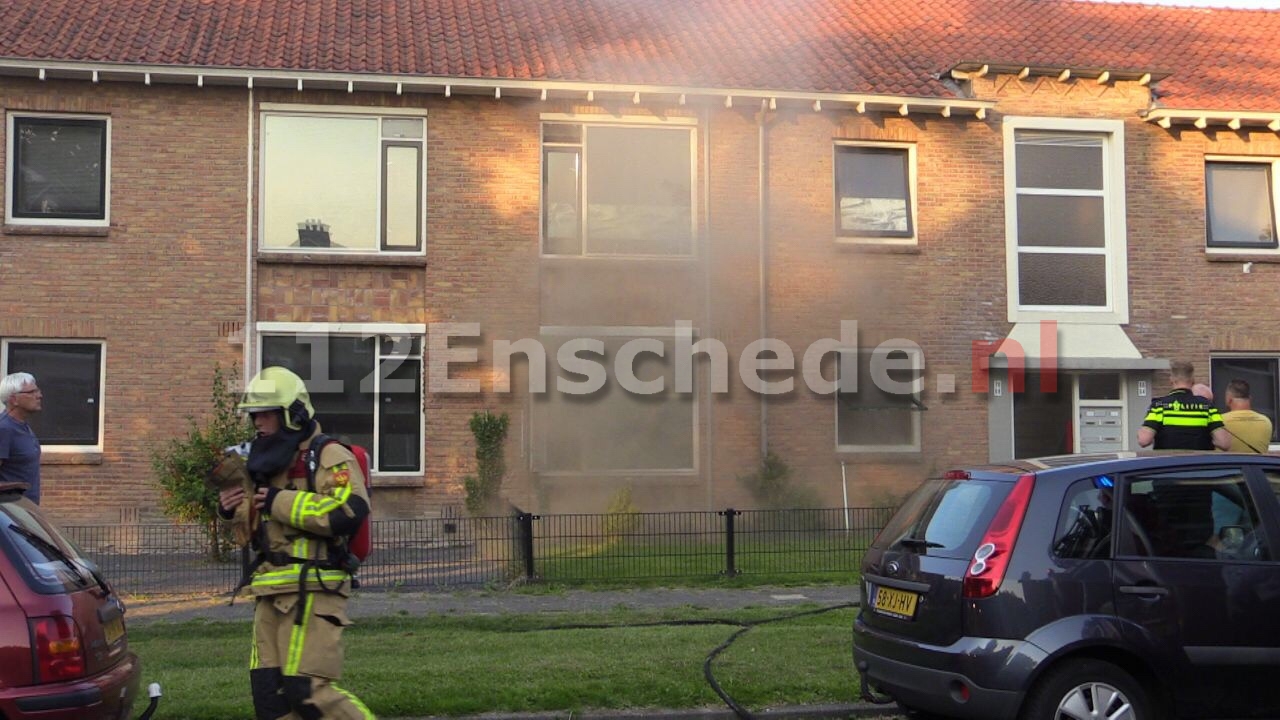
[1150,590]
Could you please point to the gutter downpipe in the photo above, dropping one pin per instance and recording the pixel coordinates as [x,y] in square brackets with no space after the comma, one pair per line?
[762,235]
[247,342]
[706,294]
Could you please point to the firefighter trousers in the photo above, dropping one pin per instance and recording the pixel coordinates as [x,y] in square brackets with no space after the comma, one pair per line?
[294,666]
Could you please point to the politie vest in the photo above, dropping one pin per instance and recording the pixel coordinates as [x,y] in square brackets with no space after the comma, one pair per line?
[359,543]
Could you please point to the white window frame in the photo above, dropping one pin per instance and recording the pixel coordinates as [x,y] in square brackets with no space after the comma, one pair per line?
[1115,223]
[364,330]
[1274,164]
[602,332]
[856,238]
[917,365]
[10,168]
[627,121]
[339,112]
[102,386]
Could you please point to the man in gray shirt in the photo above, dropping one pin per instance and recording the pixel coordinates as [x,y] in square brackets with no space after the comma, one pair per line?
[19,448]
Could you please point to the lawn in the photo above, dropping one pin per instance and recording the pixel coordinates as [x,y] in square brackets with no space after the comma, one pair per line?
[405,666]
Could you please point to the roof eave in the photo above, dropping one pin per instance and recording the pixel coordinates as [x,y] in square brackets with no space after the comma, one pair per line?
[1204,119]
[497,87]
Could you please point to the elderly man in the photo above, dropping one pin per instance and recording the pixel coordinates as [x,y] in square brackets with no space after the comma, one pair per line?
[19,447]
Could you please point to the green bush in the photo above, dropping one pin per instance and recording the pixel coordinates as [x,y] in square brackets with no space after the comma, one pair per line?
[181,464]
[771,487]
[484,488]
[620,517]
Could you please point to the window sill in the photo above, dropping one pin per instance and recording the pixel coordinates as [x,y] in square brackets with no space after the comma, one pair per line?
[629,259]
[880,457]
[682,476]
[273,258]
[1235,256]
[57,230]
[396,481]
[877,248]
[50,457]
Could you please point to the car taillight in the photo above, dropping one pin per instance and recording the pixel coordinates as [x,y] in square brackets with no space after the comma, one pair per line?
[59,654]
[986,569]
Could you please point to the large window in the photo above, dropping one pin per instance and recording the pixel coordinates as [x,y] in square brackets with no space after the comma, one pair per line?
[70,376]
[881,412]
[58,172]
[1065,223]
[613,429]
[342,182]
[612,189]
[366,390]
[1262,372]
[1240,203]
[874,186]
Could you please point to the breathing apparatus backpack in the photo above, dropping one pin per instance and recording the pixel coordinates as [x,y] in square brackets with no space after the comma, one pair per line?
[359,544]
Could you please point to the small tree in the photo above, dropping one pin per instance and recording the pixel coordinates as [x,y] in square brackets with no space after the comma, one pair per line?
[769,485]
[181,465]
[621,517]
[772,488]
[483,489]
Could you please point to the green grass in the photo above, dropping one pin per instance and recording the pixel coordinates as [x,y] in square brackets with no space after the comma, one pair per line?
[402,666]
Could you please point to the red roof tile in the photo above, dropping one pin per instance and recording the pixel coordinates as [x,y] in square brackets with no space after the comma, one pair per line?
[1223,59]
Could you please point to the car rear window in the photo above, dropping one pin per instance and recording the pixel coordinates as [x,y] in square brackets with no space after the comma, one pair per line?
[48,561]
[946,517]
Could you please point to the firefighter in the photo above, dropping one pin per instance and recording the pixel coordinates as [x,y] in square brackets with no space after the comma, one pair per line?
[300,578]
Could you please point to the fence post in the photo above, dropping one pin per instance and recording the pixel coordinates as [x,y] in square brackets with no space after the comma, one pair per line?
[525,525]
[730,564]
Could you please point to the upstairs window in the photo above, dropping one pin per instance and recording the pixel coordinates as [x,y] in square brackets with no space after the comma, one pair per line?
[874,192]
[621,190]
[58,172]
[1065,226]
[343,183]
[1240,204]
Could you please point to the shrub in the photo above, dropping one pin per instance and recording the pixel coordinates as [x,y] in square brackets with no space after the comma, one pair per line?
[484,488]
[181,464]
[620,517]
[771,487]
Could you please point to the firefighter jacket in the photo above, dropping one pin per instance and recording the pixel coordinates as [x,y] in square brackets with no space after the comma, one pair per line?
[298,529]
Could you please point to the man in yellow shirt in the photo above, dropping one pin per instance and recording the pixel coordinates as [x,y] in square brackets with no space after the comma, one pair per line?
[1250,430]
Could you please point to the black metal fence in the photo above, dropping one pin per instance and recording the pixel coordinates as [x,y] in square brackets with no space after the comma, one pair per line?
[468,552]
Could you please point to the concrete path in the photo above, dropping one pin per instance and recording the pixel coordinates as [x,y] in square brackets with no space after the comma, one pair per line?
[148,609]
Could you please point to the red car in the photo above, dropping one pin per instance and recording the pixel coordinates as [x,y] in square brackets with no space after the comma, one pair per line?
[64,652]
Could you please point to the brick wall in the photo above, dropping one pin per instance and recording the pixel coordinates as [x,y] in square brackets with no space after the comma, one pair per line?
[160,288]
[166,284]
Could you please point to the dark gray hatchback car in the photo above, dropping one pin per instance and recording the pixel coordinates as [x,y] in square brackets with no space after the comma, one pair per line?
[1123,586]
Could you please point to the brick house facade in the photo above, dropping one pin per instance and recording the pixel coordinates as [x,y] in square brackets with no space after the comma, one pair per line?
[190,268]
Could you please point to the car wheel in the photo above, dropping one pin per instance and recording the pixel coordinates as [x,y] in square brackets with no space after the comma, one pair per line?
[1088,690]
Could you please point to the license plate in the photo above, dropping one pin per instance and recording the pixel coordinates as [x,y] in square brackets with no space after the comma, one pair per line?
[114,629]
[898,603]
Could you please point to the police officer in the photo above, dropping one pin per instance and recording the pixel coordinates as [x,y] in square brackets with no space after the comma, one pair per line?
[1183,420]
[299,579]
